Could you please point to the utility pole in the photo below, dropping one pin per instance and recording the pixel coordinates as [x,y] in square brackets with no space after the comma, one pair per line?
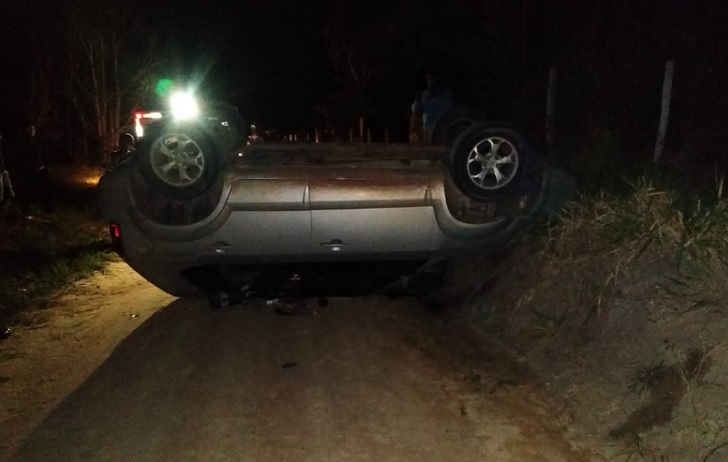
[665,112]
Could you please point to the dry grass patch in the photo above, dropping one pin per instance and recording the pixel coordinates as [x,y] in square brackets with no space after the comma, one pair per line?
[602,303]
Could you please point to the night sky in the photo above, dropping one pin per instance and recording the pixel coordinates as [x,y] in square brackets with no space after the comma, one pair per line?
[271,57]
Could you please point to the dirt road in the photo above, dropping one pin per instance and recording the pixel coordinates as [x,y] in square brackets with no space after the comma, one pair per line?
[358,379]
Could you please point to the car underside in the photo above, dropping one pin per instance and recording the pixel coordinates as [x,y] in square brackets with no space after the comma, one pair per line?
[197,212]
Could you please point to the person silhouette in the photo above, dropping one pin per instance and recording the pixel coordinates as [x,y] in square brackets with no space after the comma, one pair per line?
[430,104]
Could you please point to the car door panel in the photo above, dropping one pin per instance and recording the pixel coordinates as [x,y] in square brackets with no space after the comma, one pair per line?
[359,216]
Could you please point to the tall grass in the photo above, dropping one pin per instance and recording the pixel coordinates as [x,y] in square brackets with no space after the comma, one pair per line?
[648,217]
[617,230]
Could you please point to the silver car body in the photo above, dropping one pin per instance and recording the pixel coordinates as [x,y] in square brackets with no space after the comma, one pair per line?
[303,203]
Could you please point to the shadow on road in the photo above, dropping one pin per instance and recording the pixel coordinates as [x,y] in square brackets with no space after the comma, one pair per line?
[358,379]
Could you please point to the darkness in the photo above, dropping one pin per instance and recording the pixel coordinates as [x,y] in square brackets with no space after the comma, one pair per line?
[286,65]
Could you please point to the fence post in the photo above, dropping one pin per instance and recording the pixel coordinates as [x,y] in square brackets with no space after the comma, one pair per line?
[550,107]
[665,112]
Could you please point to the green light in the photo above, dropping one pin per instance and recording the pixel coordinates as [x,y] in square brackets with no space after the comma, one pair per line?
[163,86]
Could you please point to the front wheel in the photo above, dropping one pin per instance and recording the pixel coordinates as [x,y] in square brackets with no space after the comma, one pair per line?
[489,161]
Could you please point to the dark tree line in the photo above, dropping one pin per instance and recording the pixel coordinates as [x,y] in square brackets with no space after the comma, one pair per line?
[77,68]
[76,71]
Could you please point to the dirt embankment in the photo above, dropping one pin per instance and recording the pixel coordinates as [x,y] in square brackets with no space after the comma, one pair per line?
[634,351]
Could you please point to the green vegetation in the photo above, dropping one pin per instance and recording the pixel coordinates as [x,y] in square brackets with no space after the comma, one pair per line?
[646,378]
[547,324]
[43,252]
[35,287]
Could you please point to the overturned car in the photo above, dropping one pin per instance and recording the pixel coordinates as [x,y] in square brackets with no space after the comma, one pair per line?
[198,211]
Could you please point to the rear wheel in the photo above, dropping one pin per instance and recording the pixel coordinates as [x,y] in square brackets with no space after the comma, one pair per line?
[178,178]
[181,162]
[489,161]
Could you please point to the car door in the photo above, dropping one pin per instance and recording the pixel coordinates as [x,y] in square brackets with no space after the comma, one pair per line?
[270,218]
[370,213]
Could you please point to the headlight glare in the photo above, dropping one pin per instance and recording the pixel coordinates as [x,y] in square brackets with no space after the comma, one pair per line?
[183,106]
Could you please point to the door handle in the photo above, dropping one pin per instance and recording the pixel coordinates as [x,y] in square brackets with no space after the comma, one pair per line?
[335,245]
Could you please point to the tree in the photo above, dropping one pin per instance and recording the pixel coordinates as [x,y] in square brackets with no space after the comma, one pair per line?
[111,63]
[356,41]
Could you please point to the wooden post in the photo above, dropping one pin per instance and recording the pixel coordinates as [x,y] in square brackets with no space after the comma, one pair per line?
[665,112]
[369,134]
[4,177]
[361,128]
[351,135]
[550,105]
[317,136]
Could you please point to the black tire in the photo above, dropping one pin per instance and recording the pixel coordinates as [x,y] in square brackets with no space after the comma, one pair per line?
[180,161]
[452,123]
[489,161]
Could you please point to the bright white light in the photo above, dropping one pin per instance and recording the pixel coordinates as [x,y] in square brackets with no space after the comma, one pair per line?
[183,106]
[138,128]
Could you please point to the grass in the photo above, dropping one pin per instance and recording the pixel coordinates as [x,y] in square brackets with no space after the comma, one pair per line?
[547,324]
[692,368]
[611,238]
[623,278]
[635,448]
[44,252]
[692,231]
[645,378]
[650,214]
[698,427]
[34,287]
